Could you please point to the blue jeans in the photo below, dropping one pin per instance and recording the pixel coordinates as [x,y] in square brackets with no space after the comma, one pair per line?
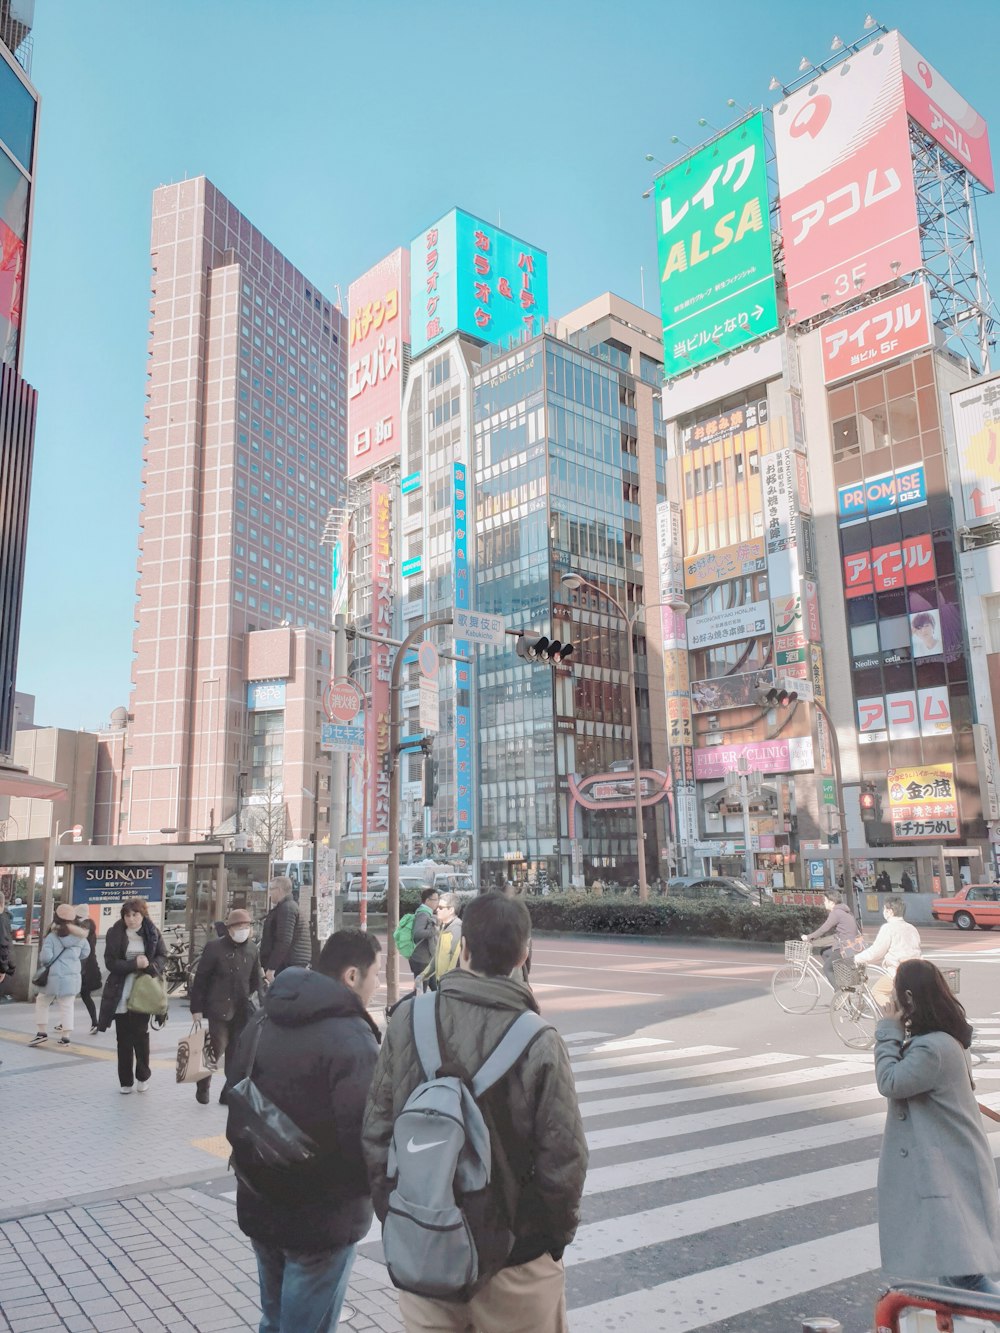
[973,1282]
[302,1293]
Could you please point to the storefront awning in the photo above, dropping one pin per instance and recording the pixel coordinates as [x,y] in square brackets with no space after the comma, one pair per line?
[19,782]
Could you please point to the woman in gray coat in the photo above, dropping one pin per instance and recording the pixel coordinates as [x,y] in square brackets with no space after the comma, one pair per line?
[938,1211]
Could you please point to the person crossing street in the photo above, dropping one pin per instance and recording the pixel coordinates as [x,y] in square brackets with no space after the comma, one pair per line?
[228,976]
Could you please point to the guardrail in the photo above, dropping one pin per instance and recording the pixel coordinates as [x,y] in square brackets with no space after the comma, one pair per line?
[899,1309]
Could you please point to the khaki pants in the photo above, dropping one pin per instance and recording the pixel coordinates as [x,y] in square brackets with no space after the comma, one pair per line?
[881,989]
[64,1011]
[530,1298]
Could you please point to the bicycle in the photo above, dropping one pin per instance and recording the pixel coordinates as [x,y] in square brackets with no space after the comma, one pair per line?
[178,974]
[854,1011]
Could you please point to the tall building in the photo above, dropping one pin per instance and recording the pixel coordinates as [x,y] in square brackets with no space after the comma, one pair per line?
[18,400]
[569,466]
[244,456]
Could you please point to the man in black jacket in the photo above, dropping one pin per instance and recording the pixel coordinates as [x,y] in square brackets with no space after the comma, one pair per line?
[315,1058]
[284,941]
[228,974]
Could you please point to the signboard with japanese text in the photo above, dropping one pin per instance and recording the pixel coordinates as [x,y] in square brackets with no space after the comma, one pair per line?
[379,326]
[731,562]
[779,486]
[478,627]
[717,288]
[877,334]
[885,568]
[469,276]
[906,488]
[904,715]
[463,678]
[848,204]
[986,766]
[794,755]
[669,548]
[976,414]
[102,889]
[923,803]
[739,622]
[342,738]
[738,691]
[340,564]
[936,106]
[381,658]
[723,425]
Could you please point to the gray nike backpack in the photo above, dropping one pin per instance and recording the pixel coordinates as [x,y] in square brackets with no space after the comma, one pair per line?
[448,1226]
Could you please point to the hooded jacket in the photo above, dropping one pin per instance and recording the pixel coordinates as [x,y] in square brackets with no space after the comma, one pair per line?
[284,939]
[115,949]
[63,952]
[315,1059]
[534,1108]
[842,925]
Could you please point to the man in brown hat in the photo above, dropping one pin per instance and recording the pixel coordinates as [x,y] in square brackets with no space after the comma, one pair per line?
[228,974]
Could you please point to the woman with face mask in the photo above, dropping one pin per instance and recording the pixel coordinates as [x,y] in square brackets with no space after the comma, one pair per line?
[228,974]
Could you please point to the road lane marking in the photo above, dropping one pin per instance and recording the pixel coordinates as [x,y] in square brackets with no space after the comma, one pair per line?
[599,990]
[585,1036]
[645,1077]
[585,1065]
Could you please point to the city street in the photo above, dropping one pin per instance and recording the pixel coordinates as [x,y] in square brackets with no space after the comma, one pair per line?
[707,1108]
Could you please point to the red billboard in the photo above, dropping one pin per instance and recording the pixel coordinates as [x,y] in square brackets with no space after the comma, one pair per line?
[936,106]
[885,568]
[377,739]
[380,325]
[848,207]
[879,333]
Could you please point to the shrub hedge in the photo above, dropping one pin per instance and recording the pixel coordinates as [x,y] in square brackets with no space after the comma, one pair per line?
[584,914]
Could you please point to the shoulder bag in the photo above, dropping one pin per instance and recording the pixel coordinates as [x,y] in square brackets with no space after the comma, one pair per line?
[41,977]
[256,1124]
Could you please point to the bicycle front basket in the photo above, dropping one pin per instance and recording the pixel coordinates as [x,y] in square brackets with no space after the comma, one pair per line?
[951,975]
[846,976]
[797,951]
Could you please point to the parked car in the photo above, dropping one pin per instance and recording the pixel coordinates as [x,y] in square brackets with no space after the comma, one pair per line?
[975,905]
[18,916]
[712,888]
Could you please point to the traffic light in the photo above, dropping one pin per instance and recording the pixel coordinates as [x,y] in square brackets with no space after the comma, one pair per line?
[871,805]
[778,698]
[550,652]
[430,780]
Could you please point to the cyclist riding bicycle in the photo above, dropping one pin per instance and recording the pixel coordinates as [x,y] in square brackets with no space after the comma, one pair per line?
[895,942]
[847,937]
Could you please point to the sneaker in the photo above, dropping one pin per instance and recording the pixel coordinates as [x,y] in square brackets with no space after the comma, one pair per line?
[125,1091]
[93,1030]
[39,1039]
[63,1041]
[140,1085]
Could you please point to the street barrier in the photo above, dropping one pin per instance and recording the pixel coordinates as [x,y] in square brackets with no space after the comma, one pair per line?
[921,1307]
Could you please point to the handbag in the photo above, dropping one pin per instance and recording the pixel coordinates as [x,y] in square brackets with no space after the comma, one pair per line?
[41,977]
[148,996]
[195,1057]
[257,1125]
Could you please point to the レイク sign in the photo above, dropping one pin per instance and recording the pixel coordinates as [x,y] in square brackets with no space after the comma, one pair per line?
[906,488]
[879,333]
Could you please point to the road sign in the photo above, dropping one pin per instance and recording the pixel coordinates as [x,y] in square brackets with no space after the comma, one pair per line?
[340,738]
[343,700]
[428,660]
[475,627]
[803,688]
[429,716]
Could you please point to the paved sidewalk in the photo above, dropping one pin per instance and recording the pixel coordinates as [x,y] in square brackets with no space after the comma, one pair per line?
[118,1212]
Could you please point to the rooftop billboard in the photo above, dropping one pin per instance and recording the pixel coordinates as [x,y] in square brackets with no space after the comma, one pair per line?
[716,265]
[936,106]
[380,325]
[467,276]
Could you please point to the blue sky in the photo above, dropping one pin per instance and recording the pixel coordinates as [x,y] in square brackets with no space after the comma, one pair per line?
[340,129]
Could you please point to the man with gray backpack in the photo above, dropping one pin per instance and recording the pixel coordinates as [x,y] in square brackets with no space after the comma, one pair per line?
[474,1142]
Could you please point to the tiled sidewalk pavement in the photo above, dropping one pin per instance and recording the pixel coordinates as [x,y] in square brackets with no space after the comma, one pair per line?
[121,1216]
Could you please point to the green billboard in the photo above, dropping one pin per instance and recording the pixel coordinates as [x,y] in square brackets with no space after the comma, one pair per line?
[714,247]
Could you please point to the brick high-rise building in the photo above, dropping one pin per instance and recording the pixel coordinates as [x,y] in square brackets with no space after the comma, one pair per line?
[244,457]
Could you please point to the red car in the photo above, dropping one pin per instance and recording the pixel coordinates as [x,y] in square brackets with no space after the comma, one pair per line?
[975,905]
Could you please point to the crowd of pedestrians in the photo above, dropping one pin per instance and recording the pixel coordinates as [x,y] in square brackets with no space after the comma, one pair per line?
[459,1125]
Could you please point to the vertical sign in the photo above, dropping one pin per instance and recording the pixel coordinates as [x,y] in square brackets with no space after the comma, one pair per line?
[463,684]
[779,483]
[976,414]
[848,205]
[380,325]
[378,732]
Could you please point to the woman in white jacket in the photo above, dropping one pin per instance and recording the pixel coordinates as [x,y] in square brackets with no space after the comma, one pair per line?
[63,950]
[896,941]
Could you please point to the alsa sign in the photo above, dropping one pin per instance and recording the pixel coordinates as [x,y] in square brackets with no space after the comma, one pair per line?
[906,488]
[885,331]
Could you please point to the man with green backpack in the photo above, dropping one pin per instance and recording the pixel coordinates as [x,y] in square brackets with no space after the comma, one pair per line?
[416,934]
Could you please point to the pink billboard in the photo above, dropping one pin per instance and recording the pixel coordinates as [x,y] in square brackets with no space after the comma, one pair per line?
[380,325]
[794,755]
[377,740]
[877,334]
[936,106]
[848,207]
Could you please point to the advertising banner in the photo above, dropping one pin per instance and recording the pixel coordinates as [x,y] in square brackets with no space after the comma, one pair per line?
[886,568]
[848,206]
[936,106]
[732,562]
[794,755]
[469,276]
[779,485]
[463,680]
[724,425]
[905,715]
[381,659]
[265,696]
[923,803]
[670,545]
[380,325]
[986,765]
[712,696]
[878,334]
[713,235]
[14,191]
[340,564]
[976,414]
[906,488]
[102,889]
[739,622]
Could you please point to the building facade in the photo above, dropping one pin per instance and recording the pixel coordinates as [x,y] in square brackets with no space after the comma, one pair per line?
[244,456]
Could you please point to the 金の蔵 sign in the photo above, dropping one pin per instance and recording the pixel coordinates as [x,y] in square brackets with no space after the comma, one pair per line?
[923,803]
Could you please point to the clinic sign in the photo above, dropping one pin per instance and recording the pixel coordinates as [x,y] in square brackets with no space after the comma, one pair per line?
[717,289]
[906,488]
[468,276]
[794,755]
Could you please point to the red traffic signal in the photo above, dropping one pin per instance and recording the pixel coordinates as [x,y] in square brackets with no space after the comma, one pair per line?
[869,803]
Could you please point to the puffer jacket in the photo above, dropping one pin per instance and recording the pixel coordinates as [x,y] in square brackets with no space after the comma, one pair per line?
[284,940]
[534,1108]
[315,1059]
[119,965]
[63,955]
